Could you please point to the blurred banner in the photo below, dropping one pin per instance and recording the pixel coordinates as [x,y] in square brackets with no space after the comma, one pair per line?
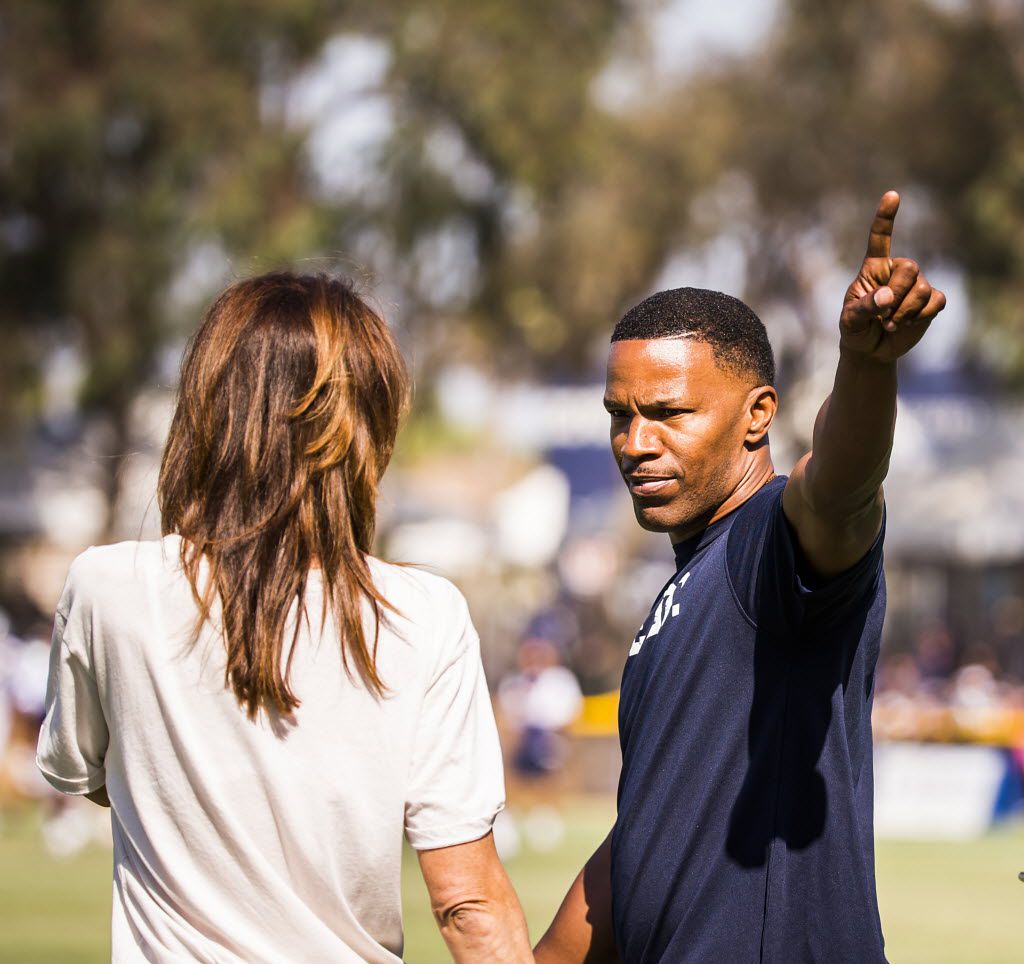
[935,792]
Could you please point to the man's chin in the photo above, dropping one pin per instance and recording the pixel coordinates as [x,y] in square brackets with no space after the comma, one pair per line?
[655,518]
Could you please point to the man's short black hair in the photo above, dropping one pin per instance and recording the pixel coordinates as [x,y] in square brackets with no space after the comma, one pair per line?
[733,331]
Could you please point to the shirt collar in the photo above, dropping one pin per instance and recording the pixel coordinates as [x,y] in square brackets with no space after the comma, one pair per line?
[688,548]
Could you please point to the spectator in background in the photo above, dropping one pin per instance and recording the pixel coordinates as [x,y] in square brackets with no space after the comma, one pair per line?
[935,653]
[28,678]
[264,706]
[540,701]
[24,659]
[536,703]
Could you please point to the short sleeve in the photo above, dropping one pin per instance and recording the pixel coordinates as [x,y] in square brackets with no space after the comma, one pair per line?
[73,738]
[775,585]
[457,784]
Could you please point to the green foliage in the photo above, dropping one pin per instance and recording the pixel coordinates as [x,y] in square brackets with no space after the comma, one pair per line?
[133,131]
[848,100]
[132,127]
[550,227]
[138,132]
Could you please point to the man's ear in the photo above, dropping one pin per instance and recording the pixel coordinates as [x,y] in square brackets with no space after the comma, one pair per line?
[762,404]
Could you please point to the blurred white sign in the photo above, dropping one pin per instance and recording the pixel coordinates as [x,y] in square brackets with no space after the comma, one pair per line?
[935,792]
[454,547]
[531,517]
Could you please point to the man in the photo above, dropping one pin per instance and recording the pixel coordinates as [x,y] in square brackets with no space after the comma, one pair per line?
[744,827]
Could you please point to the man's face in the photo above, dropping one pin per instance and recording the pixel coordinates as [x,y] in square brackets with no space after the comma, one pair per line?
[679,421]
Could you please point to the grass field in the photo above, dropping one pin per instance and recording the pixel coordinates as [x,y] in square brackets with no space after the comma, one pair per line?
[959,903]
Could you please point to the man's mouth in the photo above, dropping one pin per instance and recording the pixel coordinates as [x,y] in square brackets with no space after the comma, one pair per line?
[646,485]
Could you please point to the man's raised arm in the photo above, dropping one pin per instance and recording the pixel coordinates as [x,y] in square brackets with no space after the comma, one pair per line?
[834,496]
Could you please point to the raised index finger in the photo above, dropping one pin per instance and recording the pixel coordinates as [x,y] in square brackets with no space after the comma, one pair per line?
[881,228]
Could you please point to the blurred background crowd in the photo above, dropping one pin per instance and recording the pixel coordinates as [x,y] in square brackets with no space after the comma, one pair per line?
[503,181]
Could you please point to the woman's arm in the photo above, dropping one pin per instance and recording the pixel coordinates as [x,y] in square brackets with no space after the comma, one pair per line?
[474,903]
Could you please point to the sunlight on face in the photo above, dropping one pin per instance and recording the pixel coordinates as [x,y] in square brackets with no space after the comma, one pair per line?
[678,426]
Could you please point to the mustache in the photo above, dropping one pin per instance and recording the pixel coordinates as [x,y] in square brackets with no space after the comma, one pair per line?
[632,474]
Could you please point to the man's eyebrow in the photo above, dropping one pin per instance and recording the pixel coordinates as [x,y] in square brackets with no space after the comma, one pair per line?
[673,401]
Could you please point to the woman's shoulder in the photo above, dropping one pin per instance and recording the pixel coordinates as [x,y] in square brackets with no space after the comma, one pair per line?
[415,586]
[424,602]
[429,612]
[112,570]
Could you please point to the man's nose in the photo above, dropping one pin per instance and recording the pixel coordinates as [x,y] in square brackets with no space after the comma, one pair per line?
[641,440]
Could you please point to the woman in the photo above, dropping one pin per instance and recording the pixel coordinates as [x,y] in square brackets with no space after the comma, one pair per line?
[264,705]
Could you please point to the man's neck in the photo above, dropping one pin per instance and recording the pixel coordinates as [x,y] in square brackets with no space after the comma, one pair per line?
[758,473]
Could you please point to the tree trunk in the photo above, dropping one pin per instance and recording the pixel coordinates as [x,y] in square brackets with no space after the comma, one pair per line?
[114,461]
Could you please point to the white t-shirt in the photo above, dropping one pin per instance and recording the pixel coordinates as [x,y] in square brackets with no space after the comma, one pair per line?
[238,840]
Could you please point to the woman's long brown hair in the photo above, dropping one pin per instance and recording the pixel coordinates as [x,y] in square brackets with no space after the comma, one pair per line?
[291,395]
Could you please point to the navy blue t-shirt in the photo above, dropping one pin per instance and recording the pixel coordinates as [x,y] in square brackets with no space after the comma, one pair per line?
[744,828]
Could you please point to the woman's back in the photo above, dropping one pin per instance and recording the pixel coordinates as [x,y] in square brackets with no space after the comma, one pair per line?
[264,706]
[274,838]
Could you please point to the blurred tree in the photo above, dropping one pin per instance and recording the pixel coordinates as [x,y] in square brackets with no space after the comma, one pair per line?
[573,208]
[513,212]
[133,131]
[847,100]
[565,209]
[139,134]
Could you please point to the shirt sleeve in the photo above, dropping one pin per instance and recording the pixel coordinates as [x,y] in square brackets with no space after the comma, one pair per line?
[457,784]
[73,738]
[775,585]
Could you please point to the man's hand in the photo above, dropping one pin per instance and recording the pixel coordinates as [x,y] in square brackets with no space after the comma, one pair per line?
[833,498]
[890,303]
